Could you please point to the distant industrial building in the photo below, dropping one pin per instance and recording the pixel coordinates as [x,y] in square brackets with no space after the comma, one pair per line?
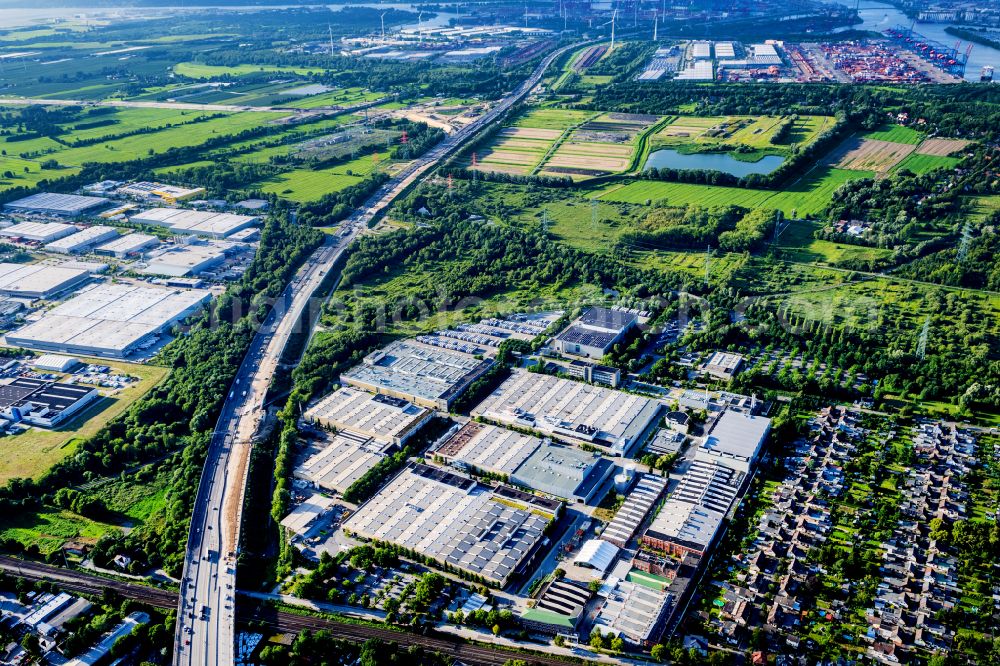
[126,246]
[632,611]
[52,203]
[724,365]
[39,280]
[480,447]
[82,241]
[184,260]
[39,232]
[43,403]
[594,333]
[571,411]
[305,514]
[735,440]
[202,223]
[380,417]
[453,520]
[564,471]
[700,70]
[56,363]
[109,320]
[711,484]
[169,194]
[427,376]
[701,50]
[638,504]
[683,527]
[341,460]
[559,608]
[596,554]
[596,374]
[725,50]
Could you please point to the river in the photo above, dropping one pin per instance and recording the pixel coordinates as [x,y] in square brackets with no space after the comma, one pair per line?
[879,16]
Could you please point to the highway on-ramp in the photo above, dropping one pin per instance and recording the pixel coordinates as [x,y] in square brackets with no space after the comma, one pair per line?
[206,613]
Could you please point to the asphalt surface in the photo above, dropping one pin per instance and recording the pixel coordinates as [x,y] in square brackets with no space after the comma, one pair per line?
[206,611]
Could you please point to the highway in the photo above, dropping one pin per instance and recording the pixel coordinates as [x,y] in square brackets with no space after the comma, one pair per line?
[206,611]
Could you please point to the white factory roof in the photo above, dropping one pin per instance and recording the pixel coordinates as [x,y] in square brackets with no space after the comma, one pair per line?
[570,410]
[633,511]
[302,516]
[56,362]
[181,260]
[128,244]
[343,459]
[597,554]
[488,448]
[203,223]
[109,319]
[701,50]
[736,437]
[690,525]
[384,418]
[424,374]
[724,50]
[38,280]
[631,610]
[56,203]
[452,519]
[43,232]
[81,241]
[700,70]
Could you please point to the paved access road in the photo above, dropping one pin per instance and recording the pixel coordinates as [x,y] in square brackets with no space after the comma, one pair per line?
[206,616]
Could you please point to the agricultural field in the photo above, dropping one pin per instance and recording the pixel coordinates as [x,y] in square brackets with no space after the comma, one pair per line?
[919,164]
[304,185]
[808,196]
[557,142]
[32,453]
[865,154]
[896,134]
[600,146]
[194,70]
[698,134]
[28,162]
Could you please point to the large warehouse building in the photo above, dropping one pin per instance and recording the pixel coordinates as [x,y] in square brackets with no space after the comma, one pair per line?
[83,241]
[427,376]
[39,280]
[43,403]
[202,223]
[594,333]
[735,440]
[480,447]
[109,320]
[127,246]
[564,471]
[454,520]
[571,411]
[39,232]
[380,417]
[340,460]
[53,203]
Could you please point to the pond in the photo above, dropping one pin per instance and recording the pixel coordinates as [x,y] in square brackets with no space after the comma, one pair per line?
[671,159]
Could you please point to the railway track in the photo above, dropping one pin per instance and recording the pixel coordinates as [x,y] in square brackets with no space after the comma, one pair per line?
[87,583]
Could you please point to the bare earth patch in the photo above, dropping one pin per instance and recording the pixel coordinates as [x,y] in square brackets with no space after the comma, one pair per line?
[870,155]
[941,147]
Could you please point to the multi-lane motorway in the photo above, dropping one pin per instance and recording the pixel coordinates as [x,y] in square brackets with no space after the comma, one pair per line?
[206,617]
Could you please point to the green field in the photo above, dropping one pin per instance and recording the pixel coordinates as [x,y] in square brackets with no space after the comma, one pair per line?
[896,134]
[919,164]
[195,70]
[797,243]
[697,133]
[49,529]
[557,119]
[28,170]
[30,454]
[302,185]
[807,196]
